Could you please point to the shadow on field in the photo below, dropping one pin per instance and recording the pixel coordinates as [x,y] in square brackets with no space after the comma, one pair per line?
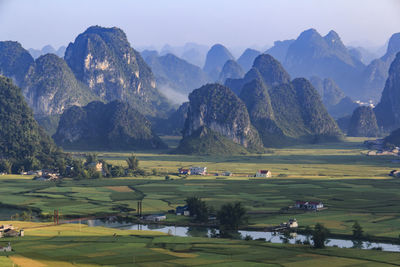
[276,159]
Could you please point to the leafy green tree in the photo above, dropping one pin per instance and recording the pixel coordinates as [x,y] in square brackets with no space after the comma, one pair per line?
[197,208]
[5,166]
[91,158]
[133,163]
[319,235]
[117,171]
[231,216]
[357,230]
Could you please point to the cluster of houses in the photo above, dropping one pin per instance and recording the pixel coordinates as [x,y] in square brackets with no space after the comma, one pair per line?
[8,230]
[378,148]
[45,175]
[193,171]
[263,173]
[203,171]
[309,205]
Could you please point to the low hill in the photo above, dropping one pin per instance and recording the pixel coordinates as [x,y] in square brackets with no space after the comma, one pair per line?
[363,123]
[112,126]
[204,141]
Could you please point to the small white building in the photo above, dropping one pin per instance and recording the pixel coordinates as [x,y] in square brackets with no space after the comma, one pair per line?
[6,249]
[264,173]
[155,217]
[198,170]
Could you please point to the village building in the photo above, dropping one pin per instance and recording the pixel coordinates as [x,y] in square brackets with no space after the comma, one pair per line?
[198,170]
[395,173]
[184,171]
[309,205]
[182,210]
[292,223]
[155,217]
[264,173]
[6,249]
[97,166]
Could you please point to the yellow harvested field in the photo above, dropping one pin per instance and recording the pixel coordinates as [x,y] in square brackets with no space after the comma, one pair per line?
[120,188]
[176,254]
[26,262]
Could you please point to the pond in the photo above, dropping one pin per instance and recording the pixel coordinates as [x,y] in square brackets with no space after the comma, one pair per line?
[273,237]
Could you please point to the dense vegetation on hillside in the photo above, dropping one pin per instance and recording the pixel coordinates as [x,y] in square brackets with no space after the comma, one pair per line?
[112,126]
[204,141]
[50,87]
[14,61]
[282,111]
[216,107]
[23,144]
[363,123]
[388,109]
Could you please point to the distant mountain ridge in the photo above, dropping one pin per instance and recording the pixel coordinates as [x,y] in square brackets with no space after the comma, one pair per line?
[215,60]
[175,73]
[283,111]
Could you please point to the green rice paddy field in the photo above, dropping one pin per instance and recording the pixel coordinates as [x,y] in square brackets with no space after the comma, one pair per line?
[80,245]
[351,185]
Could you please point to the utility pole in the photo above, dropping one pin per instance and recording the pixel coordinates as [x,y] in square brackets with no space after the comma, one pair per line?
[56,218]
[139,208]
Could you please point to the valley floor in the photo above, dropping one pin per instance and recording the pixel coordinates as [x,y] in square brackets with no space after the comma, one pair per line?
[80,245]
[352,186]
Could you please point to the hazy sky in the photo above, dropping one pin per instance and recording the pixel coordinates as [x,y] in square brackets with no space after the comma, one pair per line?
[36,23]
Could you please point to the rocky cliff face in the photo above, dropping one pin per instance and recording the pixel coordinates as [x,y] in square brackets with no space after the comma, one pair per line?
[376,73]
[217,108]
[14,61]
[388,109]
[215,60]
[103,59]
[50,87]
[112,126]
[363,123]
